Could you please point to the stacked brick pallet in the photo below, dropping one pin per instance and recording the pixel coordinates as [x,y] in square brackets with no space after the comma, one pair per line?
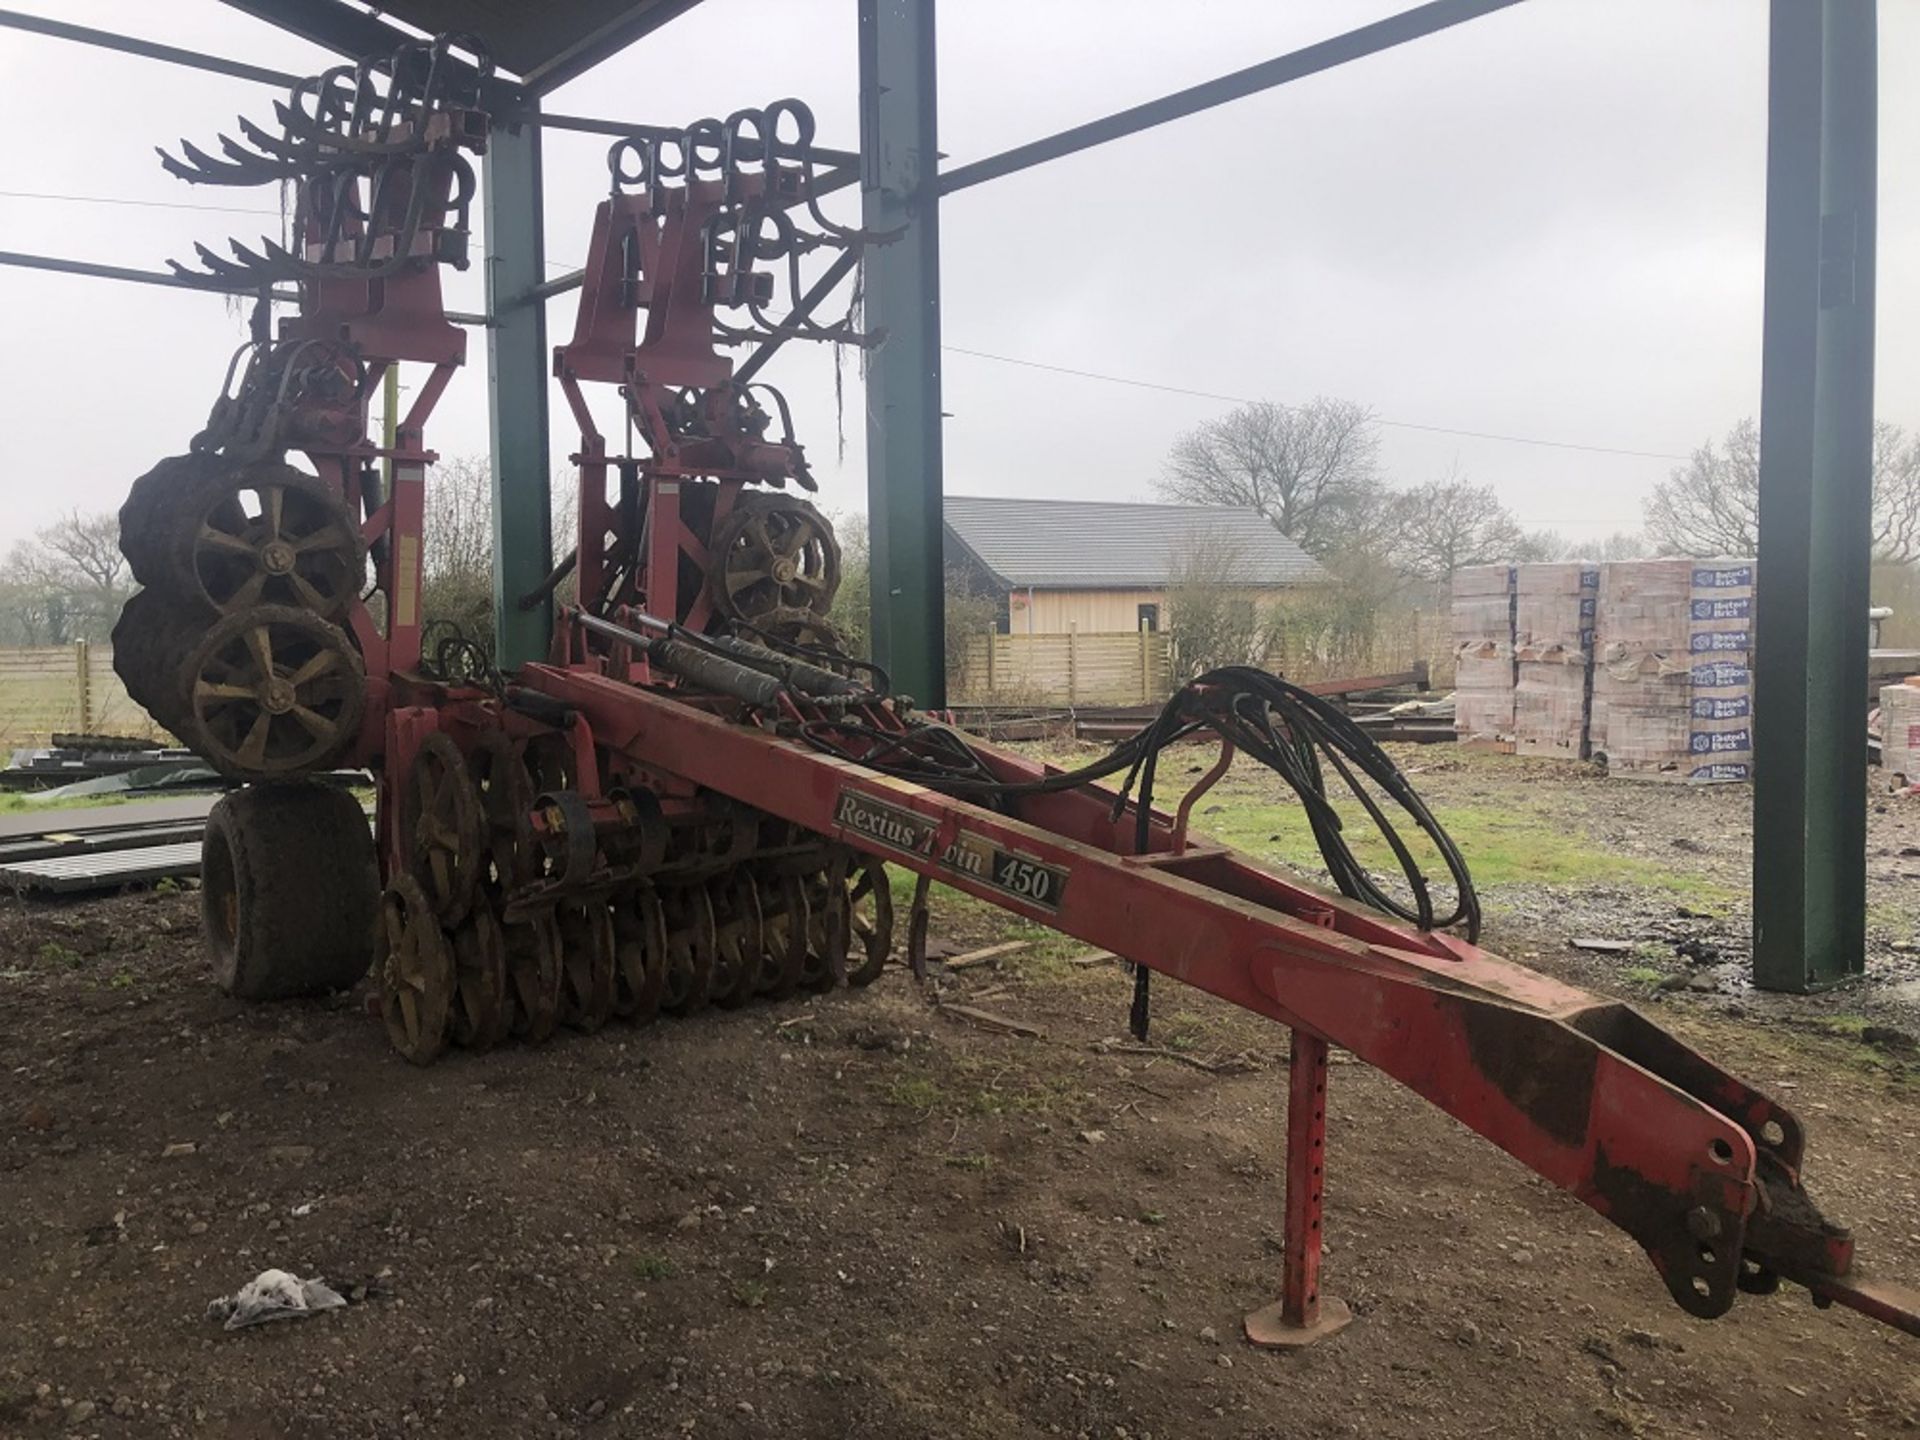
[1672,686]
[1483,656]
[1553,632]
[1900,732]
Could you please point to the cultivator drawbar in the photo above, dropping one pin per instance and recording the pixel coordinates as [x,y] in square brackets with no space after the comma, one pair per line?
[692,801]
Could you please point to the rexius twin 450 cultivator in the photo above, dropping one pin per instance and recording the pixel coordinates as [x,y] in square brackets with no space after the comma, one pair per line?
[691,801]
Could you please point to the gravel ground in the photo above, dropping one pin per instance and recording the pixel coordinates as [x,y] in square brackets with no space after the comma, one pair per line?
[853,1216]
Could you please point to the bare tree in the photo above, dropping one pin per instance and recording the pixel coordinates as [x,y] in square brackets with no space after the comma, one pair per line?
[1712,506]
[67,583]
[1304,467]
[456,552]
[1539,545]
[1896,494]
[1449,523]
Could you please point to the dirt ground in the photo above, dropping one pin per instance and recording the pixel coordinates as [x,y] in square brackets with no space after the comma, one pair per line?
[852,1216]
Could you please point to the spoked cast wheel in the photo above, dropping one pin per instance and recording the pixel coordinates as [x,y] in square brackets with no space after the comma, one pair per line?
[263,534]
[587,964]
[482,1003]
[829,927]
[289,891]
[533,975]
[640,951]
[415,972]
[783,933]
[506,799]
[737,939]
[273,691]
[690,944]
[773,553]
[443,827]
[870,905]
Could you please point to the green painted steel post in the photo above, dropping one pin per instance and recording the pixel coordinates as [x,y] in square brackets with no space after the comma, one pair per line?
[517,367]
[898,154]
[1816,425]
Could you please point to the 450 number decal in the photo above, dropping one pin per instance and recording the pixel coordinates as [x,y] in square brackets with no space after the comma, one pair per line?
[1021,876]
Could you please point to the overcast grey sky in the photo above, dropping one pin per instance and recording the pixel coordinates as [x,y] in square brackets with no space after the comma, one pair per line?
[1544,223]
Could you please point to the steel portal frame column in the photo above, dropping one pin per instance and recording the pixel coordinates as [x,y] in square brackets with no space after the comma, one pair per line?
[898,149]
[1816,485]
[517,366]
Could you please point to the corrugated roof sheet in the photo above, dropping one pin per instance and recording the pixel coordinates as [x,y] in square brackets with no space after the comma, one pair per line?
[1087,544]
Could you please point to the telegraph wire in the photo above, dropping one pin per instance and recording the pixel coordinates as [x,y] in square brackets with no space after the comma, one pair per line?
[1246,400]
[975,354]
[144,204]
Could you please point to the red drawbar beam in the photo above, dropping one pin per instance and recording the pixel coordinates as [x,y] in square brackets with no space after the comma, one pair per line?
[1583,1090]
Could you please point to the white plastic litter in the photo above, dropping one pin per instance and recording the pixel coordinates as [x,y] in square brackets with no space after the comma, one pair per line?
[274,1295]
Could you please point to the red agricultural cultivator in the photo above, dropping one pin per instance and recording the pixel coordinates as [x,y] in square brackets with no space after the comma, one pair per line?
[691,801]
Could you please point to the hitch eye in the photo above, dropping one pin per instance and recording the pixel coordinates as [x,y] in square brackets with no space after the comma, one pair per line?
[1721,1152]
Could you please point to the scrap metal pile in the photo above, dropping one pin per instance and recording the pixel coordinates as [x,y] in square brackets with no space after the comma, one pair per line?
[690,801]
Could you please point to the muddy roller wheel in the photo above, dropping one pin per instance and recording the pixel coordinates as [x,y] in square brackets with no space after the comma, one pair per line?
[416,973]
[443,827]
[588,965]
[640,948]
[151,640]
[783,933]
[482,1003]
[829,926]
[289,891]
[533,974]
[155,495]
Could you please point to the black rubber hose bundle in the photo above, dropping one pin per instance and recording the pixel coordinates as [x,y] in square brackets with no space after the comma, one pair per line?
[1292,731]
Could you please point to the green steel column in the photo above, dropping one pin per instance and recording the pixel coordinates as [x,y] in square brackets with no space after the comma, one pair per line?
[517,368]
[1816,460]
[898,136]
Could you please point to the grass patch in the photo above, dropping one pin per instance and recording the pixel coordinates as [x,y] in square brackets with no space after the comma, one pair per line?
[54,953]
[1850,1026]
[652,1267]
[1642,975]
[1502,846]
[968,1162]
[915,1092]
[23,803]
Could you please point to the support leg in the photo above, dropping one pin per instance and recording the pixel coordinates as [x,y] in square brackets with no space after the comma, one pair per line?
[1302,1314]
[1816,499]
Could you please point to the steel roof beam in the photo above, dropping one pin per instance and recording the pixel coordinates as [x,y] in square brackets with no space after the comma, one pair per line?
[145,49]
[614,37]
[1386,34]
